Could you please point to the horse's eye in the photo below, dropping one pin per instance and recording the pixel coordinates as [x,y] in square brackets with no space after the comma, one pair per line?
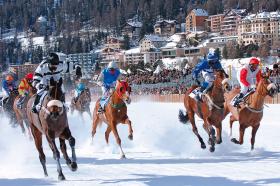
[121,89]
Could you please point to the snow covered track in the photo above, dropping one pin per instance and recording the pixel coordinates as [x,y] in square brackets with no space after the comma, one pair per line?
[163,152]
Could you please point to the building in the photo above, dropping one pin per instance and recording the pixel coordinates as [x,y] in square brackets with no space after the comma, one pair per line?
[214,22]
[115,42]
[172,52]
[257,28]
[86,60]
[165,27]
[195,20]
[152,57]
[150,42]
[133,56]
[132,28]
[192,51]
[230,21]
[41,25]
[106,55]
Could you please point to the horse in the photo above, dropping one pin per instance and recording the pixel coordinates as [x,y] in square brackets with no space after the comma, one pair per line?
[8,107]
[250,112]
[21,112]
[53,123]
[83,103]
[211,110]
[115,113]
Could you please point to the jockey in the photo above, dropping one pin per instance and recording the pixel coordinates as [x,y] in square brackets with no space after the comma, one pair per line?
[8,85]
[78,90]
[51,67]
[107,80]
[24,88]
[207,67]
[245,77]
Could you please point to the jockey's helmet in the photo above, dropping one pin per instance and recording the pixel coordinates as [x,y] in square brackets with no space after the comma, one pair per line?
[254,63]
[53,58]
[9,78]
[29,76]
[212,58]
[112,65]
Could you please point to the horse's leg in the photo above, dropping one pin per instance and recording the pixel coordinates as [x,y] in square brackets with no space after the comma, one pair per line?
[63,149]
[95,122]
[194,129]
[67,135]
[211,133]
[118,139]
[128,122]
[57,155]
[254,131]
[107,133]
[219,134]
[241,135]
[37,135]
[27,124]
[20,121]
[231,120]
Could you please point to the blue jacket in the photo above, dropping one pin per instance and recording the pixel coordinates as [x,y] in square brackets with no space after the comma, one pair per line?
[204,66]
[6,86]
[80,87]
[109,78]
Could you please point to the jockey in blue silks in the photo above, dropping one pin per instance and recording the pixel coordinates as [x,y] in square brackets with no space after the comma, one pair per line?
[107,80]
[8,85]
[78,90]
[206,67]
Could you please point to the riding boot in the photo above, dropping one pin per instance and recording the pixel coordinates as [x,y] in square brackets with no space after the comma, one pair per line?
[36,102]
[20,102]
[199,94]
[238,99]
[100,110]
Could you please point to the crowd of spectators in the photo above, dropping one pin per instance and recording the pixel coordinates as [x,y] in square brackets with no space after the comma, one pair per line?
[163,76]
[179,89]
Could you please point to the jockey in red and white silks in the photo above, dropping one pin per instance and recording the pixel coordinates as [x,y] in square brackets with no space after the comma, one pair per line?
[246,77]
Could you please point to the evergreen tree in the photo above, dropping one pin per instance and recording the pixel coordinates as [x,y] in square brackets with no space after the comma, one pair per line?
[225,52]
[126,45]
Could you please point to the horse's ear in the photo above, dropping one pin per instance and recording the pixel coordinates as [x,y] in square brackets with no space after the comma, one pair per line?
[60,82]
[52,83]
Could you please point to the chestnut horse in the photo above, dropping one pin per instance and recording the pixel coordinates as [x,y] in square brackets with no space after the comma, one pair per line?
[21,112]
[83,103]
[52,121]
[250,112]
[211,110]
[115,113]
[8,107]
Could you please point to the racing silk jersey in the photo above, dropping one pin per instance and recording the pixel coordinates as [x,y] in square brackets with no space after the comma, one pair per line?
[23,87]
[43,74]
[206,69]
[107,78]
[246,76]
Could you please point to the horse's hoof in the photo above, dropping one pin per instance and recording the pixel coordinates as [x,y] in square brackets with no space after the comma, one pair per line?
[74,166]
[235,141]
[123,157]
[46,175]
[219,142]
[203,146]
[61,177]
[212,149]
[130,137]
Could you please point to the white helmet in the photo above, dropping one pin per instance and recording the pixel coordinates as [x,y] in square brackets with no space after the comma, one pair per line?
[113,65]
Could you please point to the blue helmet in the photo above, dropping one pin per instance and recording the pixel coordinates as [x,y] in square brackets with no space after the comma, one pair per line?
[81,86]
[212,57]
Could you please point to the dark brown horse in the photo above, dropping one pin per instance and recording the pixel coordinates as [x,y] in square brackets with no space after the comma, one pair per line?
[250,112]
[52,121]
[115,113]
[83,103]
[211,110]
[8,107]
[21,112]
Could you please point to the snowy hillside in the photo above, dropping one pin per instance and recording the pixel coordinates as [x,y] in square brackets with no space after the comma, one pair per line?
[163,152]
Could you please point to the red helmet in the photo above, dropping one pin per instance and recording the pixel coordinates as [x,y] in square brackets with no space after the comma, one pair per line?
[9,78]
[254,61]
[29,76]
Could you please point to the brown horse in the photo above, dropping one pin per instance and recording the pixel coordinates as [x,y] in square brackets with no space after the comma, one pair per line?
[52,121]
[82,104]
[115,113]
[8,107]
[21,112]
[250,113]
[211,110]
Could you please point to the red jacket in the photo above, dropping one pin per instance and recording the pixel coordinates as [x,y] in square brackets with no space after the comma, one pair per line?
[246,76]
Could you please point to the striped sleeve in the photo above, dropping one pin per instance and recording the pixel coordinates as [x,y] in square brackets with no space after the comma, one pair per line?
[38,75]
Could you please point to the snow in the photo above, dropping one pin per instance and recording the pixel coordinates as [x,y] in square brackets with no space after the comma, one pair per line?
[37,41]
[262,15]
[155,38]
[163,152]
[133,51]
[200,12]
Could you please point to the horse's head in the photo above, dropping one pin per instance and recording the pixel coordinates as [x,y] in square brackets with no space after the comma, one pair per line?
[123,90]
[266,87]
[54,109]
[55,89]
[85,97]
[221,79]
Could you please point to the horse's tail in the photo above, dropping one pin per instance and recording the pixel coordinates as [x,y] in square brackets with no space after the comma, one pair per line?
[183,118]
